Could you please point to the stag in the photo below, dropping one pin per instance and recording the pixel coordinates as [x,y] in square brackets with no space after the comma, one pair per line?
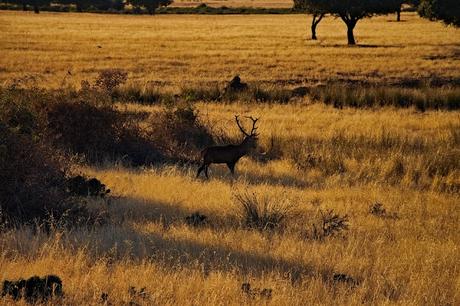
[229,154]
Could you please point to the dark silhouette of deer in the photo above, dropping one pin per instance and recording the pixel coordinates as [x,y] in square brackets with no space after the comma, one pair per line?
[229,154]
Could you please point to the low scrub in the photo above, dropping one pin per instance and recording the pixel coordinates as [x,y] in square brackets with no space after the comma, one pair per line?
[327,224]
[338,95]
[180,132]
[33,175]
[422,98]
[147,95]
[261,212]
[253,93]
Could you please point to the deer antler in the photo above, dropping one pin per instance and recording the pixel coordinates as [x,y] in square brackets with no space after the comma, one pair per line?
[240,127]
[254,128]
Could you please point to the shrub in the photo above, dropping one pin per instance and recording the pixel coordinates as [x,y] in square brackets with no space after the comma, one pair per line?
[328,224]
[148,95]
[196,219]
[86,122]
[108,80]
[31,178]
[377,209]
[180,132]
[32,173]
[261,213]
[82,186]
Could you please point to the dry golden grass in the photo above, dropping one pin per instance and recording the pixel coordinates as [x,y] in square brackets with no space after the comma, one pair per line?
[409,260]
[185,49]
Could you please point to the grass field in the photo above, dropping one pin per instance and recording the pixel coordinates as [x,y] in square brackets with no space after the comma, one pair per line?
[317,158]
[183,50]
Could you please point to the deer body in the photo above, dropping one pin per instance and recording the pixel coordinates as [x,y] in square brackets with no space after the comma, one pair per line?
[229,154]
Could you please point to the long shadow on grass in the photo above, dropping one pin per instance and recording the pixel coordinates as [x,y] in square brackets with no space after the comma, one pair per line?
[285,180]
[140,239]
[127,209]
[127,243]
[129,240]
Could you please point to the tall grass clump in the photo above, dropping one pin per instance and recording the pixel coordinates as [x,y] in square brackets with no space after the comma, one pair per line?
[255,93]
[146,95]
[328,224]
[365,97]
[261,212]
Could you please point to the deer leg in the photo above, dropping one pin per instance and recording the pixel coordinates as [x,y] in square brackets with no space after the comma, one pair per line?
[200,169]
[206,171]
[231,166]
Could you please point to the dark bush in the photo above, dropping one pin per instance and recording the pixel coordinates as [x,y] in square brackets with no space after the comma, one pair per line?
[196,219]
[108,80]
[84,128]
[86,122]
[81,186]
[34,289]
[180,133]
[31,178]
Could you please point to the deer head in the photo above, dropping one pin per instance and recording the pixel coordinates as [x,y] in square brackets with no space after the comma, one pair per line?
[250,139]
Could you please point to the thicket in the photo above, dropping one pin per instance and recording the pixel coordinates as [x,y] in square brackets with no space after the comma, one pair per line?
[41,130]
[33,174]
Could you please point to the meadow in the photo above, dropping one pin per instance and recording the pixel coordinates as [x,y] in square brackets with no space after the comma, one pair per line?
[178,51]
[391,173]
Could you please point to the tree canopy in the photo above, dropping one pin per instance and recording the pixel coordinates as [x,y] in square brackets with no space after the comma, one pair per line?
[36,4]
[350,11]
[150,5]
[446,10]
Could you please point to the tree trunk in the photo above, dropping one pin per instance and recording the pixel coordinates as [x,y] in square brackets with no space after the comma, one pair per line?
[398,15]
[151,9]
[314,24]
[24,7]
[36,9]
[350,36]
[313,29]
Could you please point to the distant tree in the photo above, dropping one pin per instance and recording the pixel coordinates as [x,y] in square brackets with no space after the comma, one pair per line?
[36,4]
[150,5]
[351,11]
[413,3]
[102,5]
[446,10]
[398,10]
[301,5]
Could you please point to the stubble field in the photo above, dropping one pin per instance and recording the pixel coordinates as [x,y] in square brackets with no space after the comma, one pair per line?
[312,159]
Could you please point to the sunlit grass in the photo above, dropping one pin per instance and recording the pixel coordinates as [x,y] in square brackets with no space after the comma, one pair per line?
[147,243]
[311,158]
[178,51]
